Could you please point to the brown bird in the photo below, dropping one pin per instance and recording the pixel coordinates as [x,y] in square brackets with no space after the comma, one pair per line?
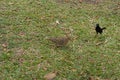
[60,41]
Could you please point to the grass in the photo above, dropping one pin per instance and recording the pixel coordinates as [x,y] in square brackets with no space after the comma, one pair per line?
[25,54]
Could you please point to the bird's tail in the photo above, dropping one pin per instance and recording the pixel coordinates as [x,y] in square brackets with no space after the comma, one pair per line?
[103,28]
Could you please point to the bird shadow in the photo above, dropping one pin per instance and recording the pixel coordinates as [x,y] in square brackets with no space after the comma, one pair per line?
[100,39]
[64,48]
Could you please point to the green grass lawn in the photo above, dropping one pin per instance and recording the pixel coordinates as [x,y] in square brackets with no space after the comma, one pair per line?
[25,54]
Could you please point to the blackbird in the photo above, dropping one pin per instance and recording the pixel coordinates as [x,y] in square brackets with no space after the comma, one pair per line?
[99,29]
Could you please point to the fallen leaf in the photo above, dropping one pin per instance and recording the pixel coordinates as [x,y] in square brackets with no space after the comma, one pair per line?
[21,34]
[74,70]
[99,43]
[80,1]
[5,49]
[50,76]
[4,45]
[45,68]
[57,22]
[118,51]
[10,3]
